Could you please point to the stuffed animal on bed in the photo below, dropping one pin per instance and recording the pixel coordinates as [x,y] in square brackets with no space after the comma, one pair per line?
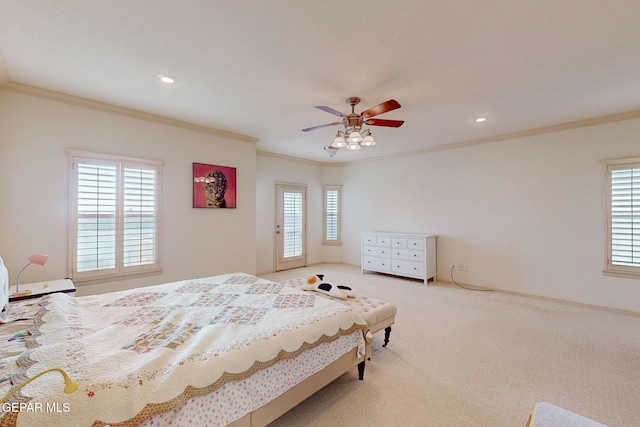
[318,284]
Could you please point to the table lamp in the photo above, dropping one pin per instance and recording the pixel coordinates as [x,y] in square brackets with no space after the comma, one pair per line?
[38,259]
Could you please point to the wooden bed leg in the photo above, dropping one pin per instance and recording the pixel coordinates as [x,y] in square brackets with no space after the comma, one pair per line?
[387,333]
[361,370]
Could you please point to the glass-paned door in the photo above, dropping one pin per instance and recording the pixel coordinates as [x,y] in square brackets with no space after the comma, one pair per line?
[290,226]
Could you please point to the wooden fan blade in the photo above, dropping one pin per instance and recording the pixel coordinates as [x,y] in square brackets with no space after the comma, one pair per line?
[383,122]
[390,105]
[321,126]
[330,110]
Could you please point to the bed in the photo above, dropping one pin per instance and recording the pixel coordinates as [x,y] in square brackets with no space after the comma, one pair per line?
[232,349]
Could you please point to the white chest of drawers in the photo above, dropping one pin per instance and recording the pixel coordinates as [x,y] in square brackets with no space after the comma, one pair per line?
[400,254]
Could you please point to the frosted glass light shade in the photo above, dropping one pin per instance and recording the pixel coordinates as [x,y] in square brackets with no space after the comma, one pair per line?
[353,146]
[339,142]
[368,141]
[355,137]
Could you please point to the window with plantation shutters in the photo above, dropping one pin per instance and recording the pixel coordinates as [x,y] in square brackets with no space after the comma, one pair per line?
[332,214]
[622,189]
[115,226]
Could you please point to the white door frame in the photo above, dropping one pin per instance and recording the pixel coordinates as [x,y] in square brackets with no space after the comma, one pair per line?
[298,259]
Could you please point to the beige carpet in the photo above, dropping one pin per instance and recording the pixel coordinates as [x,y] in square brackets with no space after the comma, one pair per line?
[466,358]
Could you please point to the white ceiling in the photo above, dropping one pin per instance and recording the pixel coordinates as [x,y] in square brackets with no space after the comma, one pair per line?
[258,67]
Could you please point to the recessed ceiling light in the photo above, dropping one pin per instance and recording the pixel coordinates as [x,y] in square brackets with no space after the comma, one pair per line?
[481,119]
[166,78]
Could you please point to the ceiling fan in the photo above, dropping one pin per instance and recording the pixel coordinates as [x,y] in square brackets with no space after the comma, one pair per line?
[354,136]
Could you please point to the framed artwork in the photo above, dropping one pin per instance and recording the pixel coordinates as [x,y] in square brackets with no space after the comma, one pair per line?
[214,186]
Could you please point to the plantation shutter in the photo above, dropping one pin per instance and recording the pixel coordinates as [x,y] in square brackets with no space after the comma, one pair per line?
[331,215]
[115,216]
[292,224]
[139,214]
[96,217]
[625,217]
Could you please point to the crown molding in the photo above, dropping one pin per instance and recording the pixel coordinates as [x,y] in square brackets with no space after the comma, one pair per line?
[612,118]
[114,109]
[96,105]
[285,157]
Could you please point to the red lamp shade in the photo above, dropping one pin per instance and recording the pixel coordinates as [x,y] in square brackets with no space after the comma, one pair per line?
[38,259]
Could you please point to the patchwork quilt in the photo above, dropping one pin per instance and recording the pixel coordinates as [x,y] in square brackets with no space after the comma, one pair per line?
[145,351]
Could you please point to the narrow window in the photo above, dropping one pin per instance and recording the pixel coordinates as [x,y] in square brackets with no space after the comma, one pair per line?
[332,215]
[622,201]
[115,222]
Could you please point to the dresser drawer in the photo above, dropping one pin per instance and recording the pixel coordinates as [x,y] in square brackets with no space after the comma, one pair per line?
[408,268]
[398,242]
[376,251]
[407,254]
[368,239]
[383,241]
[373,263]
[415,244]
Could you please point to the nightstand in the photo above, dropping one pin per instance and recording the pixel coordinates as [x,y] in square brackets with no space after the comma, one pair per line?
[38,289]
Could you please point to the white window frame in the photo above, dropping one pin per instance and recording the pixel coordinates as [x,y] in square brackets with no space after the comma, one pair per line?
[120,271]
[612,266]
[325,216]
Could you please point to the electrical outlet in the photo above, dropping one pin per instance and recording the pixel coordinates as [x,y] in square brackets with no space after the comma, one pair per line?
[460,267]
[466,268]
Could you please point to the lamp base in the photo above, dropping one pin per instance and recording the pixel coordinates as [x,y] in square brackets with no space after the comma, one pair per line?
[20,294]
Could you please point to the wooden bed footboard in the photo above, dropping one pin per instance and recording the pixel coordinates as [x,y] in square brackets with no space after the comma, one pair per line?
[292,397]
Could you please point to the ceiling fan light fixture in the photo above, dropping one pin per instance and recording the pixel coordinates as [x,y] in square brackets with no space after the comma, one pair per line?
[368,140]
[353,146]
[339,142]
[355,137]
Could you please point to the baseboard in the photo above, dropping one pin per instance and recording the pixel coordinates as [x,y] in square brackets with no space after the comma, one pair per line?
[539,297]
[311,265]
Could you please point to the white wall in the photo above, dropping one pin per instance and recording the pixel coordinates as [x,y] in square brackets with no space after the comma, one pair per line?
[526,215]
[34,133]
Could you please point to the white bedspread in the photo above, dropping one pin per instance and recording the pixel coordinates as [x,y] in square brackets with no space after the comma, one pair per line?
[145,351]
